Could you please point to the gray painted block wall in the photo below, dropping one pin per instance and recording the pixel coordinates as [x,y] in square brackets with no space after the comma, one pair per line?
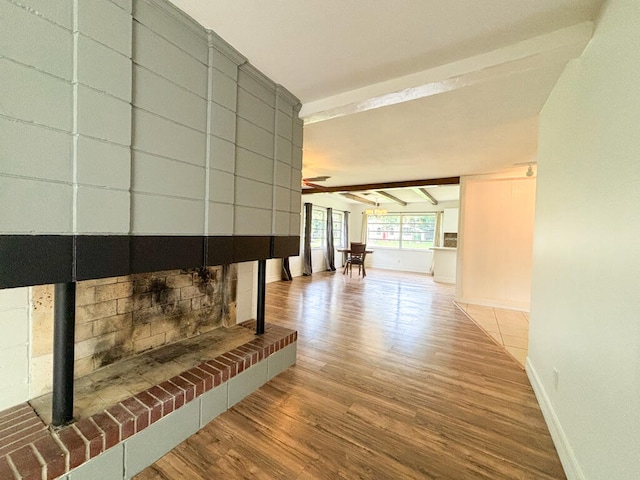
[159,127]
[102,137]
[169,123]
[36,119]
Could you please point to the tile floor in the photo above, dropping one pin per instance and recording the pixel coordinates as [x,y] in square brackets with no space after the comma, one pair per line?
[509,328]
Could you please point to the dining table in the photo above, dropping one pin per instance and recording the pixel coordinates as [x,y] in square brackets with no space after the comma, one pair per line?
[348,251]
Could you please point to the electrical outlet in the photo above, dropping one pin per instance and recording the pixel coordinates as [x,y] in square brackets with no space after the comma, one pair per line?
[556,378]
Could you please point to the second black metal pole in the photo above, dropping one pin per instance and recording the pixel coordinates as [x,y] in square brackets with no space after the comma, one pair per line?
[64,322]
[262,285]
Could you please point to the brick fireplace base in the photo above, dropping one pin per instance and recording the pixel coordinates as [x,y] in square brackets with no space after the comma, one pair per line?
[146,425]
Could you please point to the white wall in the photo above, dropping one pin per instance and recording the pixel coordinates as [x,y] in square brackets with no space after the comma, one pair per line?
[450,220]
[14,346]
[247,293]
[496,240]
[585,305]
[392,258]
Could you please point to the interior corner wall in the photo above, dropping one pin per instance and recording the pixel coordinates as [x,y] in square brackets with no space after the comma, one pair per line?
[586,274]
[495,240]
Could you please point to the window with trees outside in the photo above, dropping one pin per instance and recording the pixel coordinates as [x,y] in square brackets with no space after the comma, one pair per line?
[401,231]
[318,227]
[338,229]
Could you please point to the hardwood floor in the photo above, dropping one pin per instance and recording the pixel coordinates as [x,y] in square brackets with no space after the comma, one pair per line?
[392,381]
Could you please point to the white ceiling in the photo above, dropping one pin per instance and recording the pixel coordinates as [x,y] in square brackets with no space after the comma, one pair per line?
[408,89]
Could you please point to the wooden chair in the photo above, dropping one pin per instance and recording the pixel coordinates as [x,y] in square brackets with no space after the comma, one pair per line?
[358,252]
[346,264]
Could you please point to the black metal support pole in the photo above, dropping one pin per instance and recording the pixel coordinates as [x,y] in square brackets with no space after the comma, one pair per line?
[262,285]
[64,321]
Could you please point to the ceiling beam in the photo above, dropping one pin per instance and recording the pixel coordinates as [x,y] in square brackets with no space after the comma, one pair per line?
[550,48]
[359,199]
[427,195]
[391,197]
[314,185]
[324,189]
[382,186]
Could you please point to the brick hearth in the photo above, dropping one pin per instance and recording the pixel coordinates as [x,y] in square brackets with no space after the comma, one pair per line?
[29,449]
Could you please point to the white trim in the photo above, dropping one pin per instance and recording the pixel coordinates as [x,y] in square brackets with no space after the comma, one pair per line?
[568,459]
[439,279]
[518,306]
[398,269]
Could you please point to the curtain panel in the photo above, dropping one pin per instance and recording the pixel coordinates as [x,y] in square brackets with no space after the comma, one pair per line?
[331,261]
[285,273]
[365,219]
[345,238]
[306,249]
[437,238]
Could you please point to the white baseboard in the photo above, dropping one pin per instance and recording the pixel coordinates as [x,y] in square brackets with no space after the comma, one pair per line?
[398,268]
[568,459]
[441,279]
[518,306]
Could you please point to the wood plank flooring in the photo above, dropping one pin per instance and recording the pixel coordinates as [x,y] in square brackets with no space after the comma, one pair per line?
[392,381]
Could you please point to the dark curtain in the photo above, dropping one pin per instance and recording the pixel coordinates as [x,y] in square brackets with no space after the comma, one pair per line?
[331,261]
[306,250]
[286,270]
[345,238]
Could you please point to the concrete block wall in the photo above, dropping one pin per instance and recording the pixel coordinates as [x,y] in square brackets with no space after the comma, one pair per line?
[134,140]
[129,118]
[296,173]
[170,73]
[67,125]
[119,317]
[254,153]
[102,117]
[36,117]
[14,346]
[287,172]
[221,142]
[246,293]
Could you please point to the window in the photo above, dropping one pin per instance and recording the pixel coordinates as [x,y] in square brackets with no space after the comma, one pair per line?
[338,229]
[318,228]
[412,232]
[383,231]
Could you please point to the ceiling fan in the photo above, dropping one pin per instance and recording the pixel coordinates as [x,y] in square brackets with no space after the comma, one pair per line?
[321,178]
[310,182]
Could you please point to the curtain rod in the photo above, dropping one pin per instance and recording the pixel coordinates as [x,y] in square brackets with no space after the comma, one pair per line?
[405,213]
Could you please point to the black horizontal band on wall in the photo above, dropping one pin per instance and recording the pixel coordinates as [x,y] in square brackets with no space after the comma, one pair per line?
[282,247]
[35,259]
[40,259]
